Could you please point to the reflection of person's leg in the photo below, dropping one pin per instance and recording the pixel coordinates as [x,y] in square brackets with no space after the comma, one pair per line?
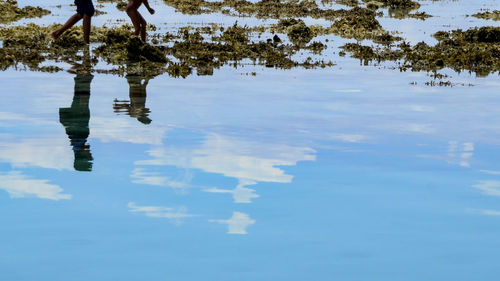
[69,23]
[86,28]
[137,94]
[76,121]
[83,156]
[86,61]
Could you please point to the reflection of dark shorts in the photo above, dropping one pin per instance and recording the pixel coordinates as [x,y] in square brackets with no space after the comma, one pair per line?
[85,7]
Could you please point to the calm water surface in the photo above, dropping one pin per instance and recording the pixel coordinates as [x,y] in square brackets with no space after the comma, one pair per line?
[343,173]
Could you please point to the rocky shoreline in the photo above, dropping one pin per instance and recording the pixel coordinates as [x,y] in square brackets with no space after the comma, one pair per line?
[202,49]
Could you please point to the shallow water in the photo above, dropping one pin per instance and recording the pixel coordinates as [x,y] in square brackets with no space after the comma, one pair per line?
[343,173]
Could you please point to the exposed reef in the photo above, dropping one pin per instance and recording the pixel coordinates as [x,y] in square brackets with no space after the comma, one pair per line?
[279,9]
[178,54]
[358,23]
[287,43]
[476,50]
[494,15]
[395,4]
[120,4]
[10,12]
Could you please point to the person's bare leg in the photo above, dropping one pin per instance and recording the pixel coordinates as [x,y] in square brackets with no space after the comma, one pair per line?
[135,21]
[134,15]
[86,28]
[69,23]
[143,28]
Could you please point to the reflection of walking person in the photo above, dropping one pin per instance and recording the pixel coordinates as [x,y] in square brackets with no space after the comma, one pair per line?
[137,106]
[76,121]
[84,10]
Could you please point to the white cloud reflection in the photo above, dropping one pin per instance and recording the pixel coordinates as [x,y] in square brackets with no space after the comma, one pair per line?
[458,153]
[128,130]
[419,128]
[237,224]
[174,214]
[489,187]
[44,152]
[7,119]
[421,108]
[142,176]
[348,138]
[490,212]
[241,194]
[484,212]
[249,162]
[20,186]
[490,172]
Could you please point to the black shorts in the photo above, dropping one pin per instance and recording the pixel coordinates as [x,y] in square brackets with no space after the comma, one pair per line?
[85,7]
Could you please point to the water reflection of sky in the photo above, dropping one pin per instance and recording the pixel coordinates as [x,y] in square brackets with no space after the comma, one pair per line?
[324,171]
[345,173]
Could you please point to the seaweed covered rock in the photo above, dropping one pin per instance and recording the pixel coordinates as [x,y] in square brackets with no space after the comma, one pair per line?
[31,45]
[494,15]
[140,51]
[399,9]
[11,12]
[115,35]
[298,32]
[120,48]
[232,46]
[364,53]
[235,34]
[120,4]
[396,4]
[72,38]
[179,70]
[476,50]
[350,3]
[277,8]
[359,23]
[480,35]
[367,54]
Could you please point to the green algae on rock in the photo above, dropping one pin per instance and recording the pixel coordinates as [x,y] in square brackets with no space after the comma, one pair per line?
[349,3]
[404,14]
[476,50]
[140,51]
[397,4]
[120,47]
[120,4]
[31,45]
[274,9]
[494,15]
[358,23]
[298,32]
[11,11]
[399,9]
[259,9]
[204,48]
[367,54]
[232,46]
